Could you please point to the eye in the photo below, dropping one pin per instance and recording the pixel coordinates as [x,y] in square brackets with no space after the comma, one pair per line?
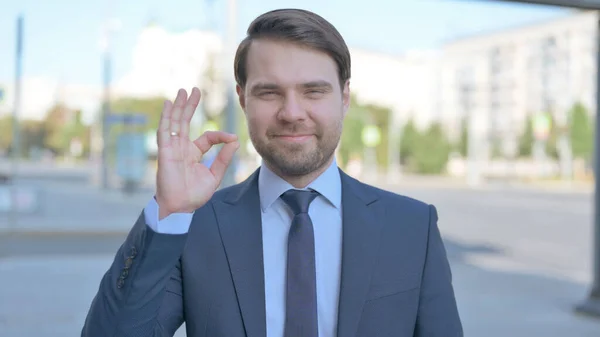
[267,94]
[315,94]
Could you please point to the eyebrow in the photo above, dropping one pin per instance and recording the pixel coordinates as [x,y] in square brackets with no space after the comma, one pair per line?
[317,84]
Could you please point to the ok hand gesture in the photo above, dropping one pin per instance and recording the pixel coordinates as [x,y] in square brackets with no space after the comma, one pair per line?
[183,183]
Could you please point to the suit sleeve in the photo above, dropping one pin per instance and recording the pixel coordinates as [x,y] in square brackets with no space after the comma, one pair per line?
[141,293]
[438,313]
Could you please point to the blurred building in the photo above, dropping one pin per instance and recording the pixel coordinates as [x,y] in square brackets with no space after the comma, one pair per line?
[164,62]
[500,77]
[505,76]
[406,84]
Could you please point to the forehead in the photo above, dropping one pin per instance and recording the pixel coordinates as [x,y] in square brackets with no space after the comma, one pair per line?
[286,63]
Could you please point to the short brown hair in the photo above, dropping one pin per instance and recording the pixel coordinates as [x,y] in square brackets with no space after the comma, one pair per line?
[296,26]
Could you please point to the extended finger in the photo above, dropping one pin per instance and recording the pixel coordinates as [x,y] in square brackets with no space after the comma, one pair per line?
[188,112]
[223,159]
[177,111]
[210,138]
[163,134]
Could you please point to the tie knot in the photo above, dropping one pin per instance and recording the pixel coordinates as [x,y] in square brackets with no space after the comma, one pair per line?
[299,200]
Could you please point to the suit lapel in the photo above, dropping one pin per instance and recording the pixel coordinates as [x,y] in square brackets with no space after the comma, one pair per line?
[239,220]
[361,234]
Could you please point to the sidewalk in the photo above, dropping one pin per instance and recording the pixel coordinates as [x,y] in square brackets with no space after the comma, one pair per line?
[448,182]
[80,209]
[520,261]
[492,302]
[83,207]
[47,170]
[500,296]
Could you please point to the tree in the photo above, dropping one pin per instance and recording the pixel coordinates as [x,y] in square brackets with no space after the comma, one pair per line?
[77,130]
[463,142]
[526,139]
[351,142]
[551,146]
[431,151]
[408,141]
[33,135]
[496,146]
[6,133]
[151,107]
[55,128]
[581,132]
[242,127]
[381,117]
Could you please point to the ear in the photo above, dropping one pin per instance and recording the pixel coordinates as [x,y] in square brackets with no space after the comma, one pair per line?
[241,96]
[346,96]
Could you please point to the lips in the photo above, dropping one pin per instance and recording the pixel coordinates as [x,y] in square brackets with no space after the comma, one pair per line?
[294,138]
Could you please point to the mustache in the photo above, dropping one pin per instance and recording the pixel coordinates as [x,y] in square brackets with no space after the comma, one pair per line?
[288,130]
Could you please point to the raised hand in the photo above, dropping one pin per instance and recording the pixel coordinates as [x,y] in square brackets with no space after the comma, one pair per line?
[183,183]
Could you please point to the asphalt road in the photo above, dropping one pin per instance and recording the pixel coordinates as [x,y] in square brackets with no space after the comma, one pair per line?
[521,259]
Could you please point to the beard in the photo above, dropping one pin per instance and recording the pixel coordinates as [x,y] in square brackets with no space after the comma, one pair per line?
[293,160]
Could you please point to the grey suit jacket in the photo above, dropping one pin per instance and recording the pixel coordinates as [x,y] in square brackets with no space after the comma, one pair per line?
[396,280]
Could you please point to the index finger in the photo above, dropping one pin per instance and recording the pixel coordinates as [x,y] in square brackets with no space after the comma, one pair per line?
[210,138]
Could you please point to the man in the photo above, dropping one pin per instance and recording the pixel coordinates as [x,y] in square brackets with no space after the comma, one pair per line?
[299,249]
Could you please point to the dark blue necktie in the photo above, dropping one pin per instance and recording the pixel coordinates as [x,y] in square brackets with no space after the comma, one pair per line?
[301,290]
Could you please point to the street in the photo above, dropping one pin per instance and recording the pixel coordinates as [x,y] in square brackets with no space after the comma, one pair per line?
[521,258]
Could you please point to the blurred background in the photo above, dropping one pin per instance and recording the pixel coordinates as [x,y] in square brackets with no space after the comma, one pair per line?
[484,108]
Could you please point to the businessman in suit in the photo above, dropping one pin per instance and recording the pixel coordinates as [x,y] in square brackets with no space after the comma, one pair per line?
[299,249]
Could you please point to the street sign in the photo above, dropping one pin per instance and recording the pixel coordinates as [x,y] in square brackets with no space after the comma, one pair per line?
[132,156]
[113,119]
[581,4]
[129,119]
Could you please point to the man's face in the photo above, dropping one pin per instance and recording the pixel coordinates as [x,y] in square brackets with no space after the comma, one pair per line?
[294,106]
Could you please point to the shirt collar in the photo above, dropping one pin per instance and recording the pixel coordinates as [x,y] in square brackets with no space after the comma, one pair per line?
[271,186]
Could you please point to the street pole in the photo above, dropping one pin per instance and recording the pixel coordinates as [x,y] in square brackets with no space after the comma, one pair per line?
[106,75]
[16,138]
[591,305]
[231,111]
[105,113]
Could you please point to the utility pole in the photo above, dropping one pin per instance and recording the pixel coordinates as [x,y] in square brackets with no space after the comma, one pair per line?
[591,305]
[106,75]
[231,110]
[110,27]
[16,137]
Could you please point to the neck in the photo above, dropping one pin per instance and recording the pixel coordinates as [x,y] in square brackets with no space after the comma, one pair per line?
[303,180]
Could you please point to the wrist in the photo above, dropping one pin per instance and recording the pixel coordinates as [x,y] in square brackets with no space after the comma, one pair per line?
[164,210]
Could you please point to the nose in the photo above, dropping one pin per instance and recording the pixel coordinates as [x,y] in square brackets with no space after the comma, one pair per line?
[292,109]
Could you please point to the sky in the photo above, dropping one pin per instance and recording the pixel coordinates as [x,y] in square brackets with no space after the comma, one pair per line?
[62,37]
